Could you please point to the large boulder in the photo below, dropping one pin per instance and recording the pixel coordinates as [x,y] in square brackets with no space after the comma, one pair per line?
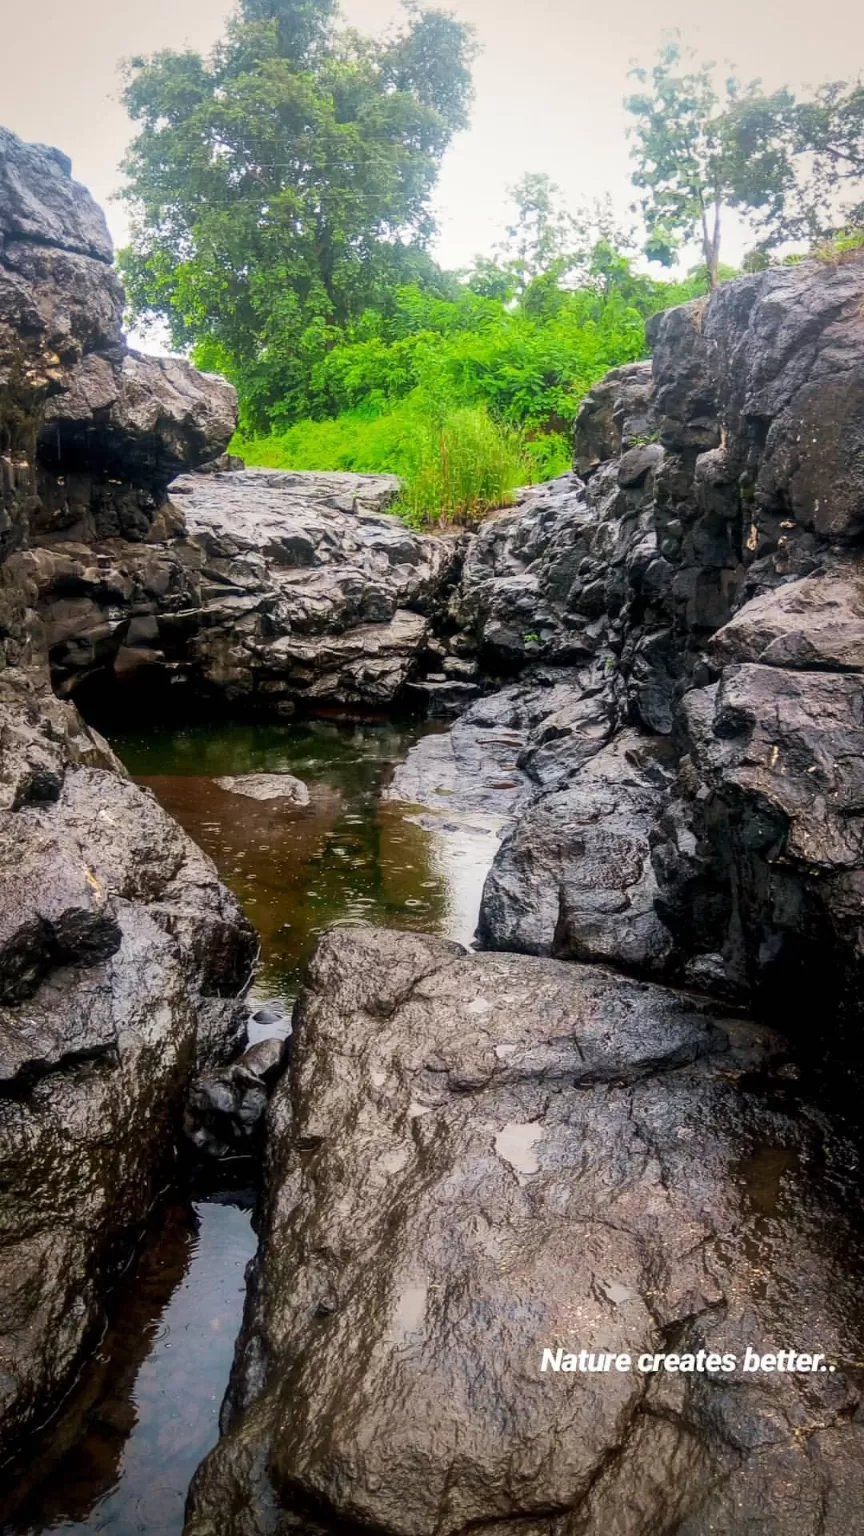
[479,1158]
[122,962]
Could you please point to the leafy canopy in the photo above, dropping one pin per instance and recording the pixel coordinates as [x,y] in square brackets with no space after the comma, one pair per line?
[792,168]
[282,184]
[698,150]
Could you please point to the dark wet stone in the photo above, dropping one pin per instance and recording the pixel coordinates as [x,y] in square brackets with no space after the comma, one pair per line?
[478,1157]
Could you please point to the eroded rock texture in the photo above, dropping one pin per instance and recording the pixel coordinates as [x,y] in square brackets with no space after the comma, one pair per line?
[477,1157]
[122,957]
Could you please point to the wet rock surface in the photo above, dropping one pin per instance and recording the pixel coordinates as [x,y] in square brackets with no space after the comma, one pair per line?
[225,1109]
[122,956]
[266,786]
[274,591]
[478,1157]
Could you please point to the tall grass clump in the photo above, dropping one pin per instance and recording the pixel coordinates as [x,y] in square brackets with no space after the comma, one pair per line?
[456,462]
[459,466]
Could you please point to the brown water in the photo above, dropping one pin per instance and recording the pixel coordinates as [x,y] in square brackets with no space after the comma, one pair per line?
[345,857]
[120,1455]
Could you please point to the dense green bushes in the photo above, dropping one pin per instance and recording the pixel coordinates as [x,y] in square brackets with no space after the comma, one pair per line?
[464,396]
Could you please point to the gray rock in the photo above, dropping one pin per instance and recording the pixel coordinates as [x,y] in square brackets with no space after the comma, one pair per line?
[816,622]
[40,203]
[123,959]
[574,877]
[225,1109]
[477,1158]
[267,786]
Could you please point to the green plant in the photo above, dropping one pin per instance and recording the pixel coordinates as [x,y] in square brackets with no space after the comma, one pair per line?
[844,245]
[699,151]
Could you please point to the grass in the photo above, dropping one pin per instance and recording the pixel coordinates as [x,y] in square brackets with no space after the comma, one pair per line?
[844,246]
[456,463]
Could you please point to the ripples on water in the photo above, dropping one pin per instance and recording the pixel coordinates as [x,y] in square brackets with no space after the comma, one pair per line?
[120,1457]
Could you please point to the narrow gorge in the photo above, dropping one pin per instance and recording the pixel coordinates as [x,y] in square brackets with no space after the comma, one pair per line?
[627,1118]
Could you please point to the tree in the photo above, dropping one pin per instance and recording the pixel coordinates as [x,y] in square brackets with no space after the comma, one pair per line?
[279,184]
[543,232]
[699,151]
[828,141]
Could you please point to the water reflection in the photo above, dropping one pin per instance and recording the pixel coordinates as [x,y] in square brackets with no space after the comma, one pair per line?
[345,857]
[122,1453]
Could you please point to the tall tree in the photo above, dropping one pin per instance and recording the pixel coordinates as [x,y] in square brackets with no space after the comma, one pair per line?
[699,151]
[828,141]
[276,184]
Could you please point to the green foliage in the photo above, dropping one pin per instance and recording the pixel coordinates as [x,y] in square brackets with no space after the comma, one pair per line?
[698,150]
[465,397]
[281,185]
[828,139]
[842,246]
[455,464]
[794,168]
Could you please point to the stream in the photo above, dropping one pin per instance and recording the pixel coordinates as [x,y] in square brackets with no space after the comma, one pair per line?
[120,1454]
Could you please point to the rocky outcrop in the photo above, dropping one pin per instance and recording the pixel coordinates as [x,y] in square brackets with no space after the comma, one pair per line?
[477,1158]
[98,430]
[122,957]
[276,590]
[708,568]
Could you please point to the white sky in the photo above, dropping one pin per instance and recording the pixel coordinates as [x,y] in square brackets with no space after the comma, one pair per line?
[549,83]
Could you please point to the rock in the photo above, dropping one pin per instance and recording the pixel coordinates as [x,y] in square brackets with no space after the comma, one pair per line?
[42,205]
[225,1109]
[778,757]
[479,1158]
[574,877]
[267,786]
[614,414]
[123,959]
[109,428]
[272,590]
[816,622]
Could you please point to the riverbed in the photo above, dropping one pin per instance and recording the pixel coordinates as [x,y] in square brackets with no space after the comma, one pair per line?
[119,1456]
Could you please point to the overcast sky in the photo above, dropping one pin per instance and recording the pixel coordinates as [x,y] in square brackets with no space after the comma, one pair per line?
[549,82]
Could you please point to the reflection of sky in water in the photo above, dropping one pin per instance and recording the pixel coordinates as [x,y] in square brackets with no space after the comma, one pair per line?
[134,1447]
[460,851]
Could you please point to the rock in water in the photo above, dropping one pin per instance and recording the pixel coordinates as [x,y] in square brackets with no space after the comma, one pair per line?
[267,786]
[480,1157]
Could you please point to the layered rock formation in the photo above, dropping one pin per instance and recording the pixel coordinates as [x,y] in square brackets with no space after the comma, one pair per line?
[274,590]
[122,957]
[477,1157]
